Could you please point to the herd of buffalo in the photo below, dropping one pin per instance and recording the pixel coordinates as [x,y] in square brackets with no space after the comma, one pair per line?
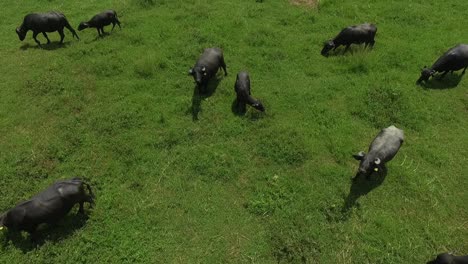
[57,200]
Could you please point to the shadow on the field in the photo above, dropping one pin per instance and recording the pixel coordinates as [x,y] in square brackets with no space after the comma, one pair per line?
[53,45]
[449,81]
[53,233]
[199,96]
[361,186]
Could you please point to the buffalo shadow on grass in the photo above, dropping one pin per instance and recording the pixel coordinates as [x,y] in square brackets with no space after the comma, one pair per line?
[198,96]
[361,186]
[54,45]
[448,82]
[63,229]
[341,51]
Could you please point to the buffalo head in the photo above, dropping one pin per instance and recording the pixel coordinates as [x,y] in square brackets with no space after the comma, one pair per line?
[82,26]
[198,74]
[367,164]
[327,46]
[21,33]
[259,106]
[426,73]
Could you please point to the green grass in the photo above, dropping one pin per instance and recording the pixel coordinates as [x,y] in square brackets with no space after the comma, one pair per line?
[180,178]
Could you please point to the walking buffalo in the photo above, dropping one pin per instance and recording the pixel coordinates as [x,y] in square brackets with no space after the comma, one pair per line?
[100,20]
[447,258]
[454,59]
[382,149]
[364,33]
[242,88]
[207,66]
[42,23]
[48,206]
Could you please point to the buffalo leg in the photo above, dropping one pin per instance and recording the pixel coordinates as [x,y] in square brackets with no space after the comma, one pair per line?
[62,35]
[223,64]
[35,38]
[102,30]
[346,49]
[118,23]
[113,25]
[443,74]
[98,31]
[464,70]
[45,35]
[81,210]
[372,43]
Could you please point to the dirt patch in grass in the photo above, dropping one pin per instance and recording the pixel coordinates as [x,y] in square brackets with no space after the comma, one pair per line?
[308,3]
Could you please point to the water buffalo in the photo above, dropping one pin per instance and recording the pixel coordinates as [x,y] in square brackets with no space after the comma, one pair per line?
[447,258]
[42,23]
[382,149]
[100,20]
[48,206]
[207,66]
[364,33]
[242,88]
[454,59]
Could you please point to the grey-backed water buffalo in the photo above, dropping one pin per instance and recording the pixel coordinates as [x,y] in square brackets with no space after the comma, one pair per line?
[454,59]
[49,206]
[207,66]
[447,258]
[382,149]
[100,20]
[359,34]
[242,88]
[42,23]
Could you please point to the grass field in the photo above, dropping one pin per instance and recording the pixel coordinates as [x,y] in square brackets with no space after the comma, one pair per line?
[180,178]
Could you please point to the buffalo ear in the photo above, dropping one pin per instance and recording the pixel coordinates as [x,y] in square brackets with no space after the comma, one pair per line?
[359,156]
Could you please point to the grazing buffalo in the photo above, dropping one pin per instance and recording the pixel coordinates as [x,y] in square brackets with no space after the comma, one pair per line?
[100,20]
[207,66]
[242,88]
[454,59]
[447,258]
[48,206]
[364,33]
[384,147]
[42,23]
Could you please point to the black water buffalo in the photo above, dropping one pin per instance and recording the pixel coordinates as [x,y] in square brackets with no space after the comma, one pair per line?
[207,66]
[242,88]
[42,23]
[454,59]
[49,206]
[100,20]
[447,258]
[364,33]
[382,149]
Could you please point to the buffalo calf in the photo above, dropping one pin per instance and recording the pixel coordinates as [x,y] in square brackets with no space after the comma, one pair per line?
[100,20]
[454,59]
[364,33]
[42,23]
[49,206]
[242,88]
[382,149]
[207,66]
